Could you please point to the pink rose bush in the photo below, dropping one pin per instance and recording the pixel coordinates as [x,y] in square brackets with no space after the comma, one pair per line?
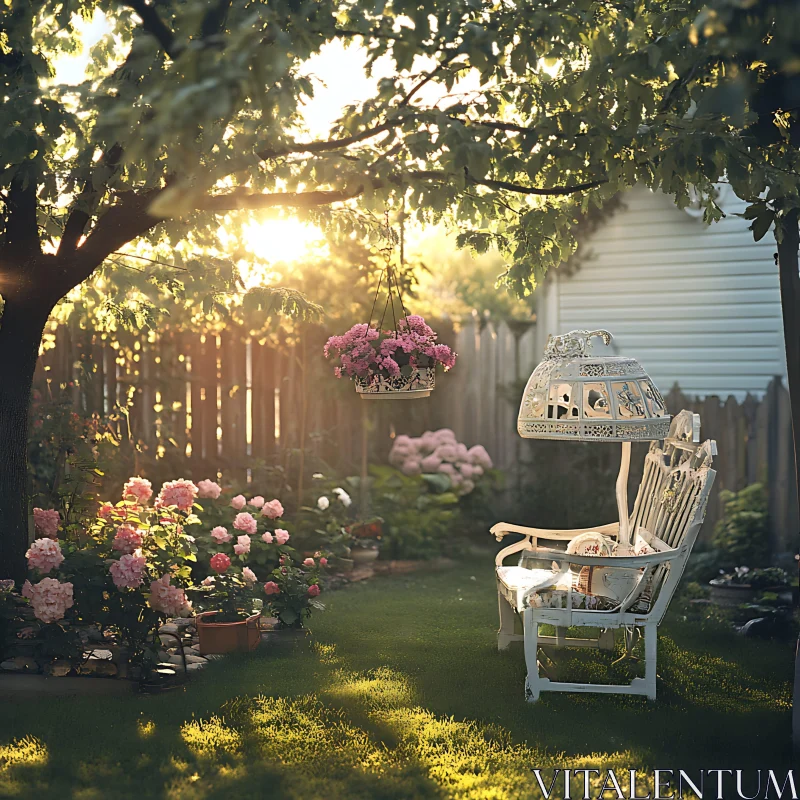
[245,522]
[209,489]
[440,452]
[46,522]
[257,561]
[364,351]
[273,509]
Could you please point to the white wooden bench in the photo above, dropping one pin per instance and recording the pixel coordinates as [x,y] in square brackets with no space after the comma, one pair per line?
[629,590]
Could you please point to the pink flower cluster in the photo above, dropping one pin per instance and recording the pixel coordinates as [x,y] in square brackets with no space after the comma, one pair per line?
[242,545]
[127,539]
[246,522]
[180,493]
[220,562]
[169,600]
[44,555]
[220,535]
[439,451]
[138,489]
[128,572]
[208,488]
[49,598]
[362,351]
[46,522]
[273,509]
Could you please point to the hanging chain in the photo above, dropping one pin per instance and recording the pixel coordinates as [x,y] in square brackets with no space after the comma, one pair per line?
[392,281]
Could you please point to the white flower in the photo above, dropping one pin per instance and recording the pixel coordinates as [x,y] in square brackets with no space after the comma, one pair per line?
[344,498]
[317,476]
[323,503]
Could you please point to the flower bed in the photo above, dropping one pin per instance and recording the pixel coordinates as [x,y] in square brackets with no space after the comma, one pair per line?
[113,582]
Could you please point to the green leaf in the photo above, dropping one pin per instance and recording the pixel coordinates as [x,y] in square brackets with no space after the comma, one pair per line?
[762,224]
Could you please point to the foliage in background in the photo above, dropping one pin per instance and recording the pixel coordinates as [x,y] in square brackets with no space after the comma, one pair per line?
[742,533]
[417,522]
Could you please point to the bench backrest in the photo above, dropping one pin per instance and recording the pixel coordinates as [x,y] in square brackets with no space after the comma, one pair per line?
[672,499]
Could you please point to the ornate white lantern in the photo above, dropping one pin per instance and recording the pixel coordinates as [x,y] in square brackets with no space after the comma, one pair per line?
[578,396]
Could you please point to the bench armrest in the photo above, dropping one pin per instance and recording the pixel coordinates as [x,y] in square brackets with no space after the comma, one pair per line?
[532,535]
[501,529]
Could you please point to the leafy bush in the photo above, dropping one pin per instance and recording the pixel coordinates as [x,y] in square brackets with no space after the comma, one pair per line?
[742,534]
[417,522]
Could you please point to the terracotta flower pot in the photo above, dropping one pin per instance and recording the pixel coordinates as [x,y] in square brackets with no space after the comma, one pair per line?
[227,637]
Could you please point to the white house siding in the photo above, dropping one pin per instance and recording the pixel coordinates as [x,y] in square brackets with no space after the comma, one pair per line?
[698,305]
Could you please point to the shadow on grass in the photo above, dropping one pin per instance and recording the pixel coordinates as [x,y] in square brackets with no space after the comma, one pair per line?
[400,694]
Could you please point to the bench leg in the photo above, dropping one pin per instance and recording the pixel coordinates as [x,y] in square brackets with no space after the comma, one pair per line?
[531,629]
[650,651]
[505,633]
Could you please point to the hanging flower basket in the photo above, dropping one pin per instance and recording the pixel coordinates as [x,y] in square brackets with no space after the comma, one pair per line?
[396,365]
[417,383]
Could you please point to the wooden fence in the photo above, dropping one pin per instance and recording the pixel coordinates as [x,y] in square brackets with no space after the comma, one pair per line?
[223,402]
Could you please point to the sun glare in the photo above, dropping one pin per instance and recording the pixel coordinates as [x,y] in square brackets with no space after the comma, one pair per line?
[279,241]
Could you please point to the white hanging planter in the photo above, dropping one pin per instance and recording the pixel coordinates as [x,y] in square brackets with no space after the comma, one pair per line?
[420,382]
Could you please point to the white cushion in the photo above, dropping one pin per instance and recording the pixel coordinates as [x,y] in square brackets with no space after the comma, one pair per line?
[592,588]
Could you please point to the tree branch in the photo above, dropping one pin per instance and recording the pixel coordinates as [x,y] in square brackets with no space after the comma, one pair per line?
[155,26]
[550,191]
[123,222]
[333,144]
[87,201]
[546,192]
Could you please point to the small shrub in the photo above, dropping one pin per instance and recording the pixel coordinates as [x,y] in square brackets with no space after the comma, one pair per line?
[742,534]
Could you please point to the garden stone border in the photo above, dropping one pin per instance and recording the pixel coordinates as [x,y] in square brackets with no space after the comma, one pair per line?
[181,634]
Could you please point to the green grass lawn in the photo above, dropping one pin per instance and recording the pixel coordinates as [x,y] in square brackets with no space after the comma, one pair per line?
[400,693]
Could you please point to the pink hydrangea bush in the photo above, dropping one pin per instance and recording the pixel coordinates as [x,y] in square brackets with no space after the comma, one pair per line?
[127,539]
[128,571]
[44,555]
[440,452]
[49,598]
[169,600]
[180,494]
[364,351]
[137,489]
[46,522]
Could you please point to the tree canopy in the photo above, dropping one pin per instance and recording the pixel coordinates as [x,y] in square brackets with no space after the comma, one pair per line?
[191,110]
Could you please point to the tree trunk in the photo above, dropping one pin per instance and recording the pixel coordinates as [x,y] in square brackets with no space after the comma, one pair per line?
[21,326]
[789,269]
